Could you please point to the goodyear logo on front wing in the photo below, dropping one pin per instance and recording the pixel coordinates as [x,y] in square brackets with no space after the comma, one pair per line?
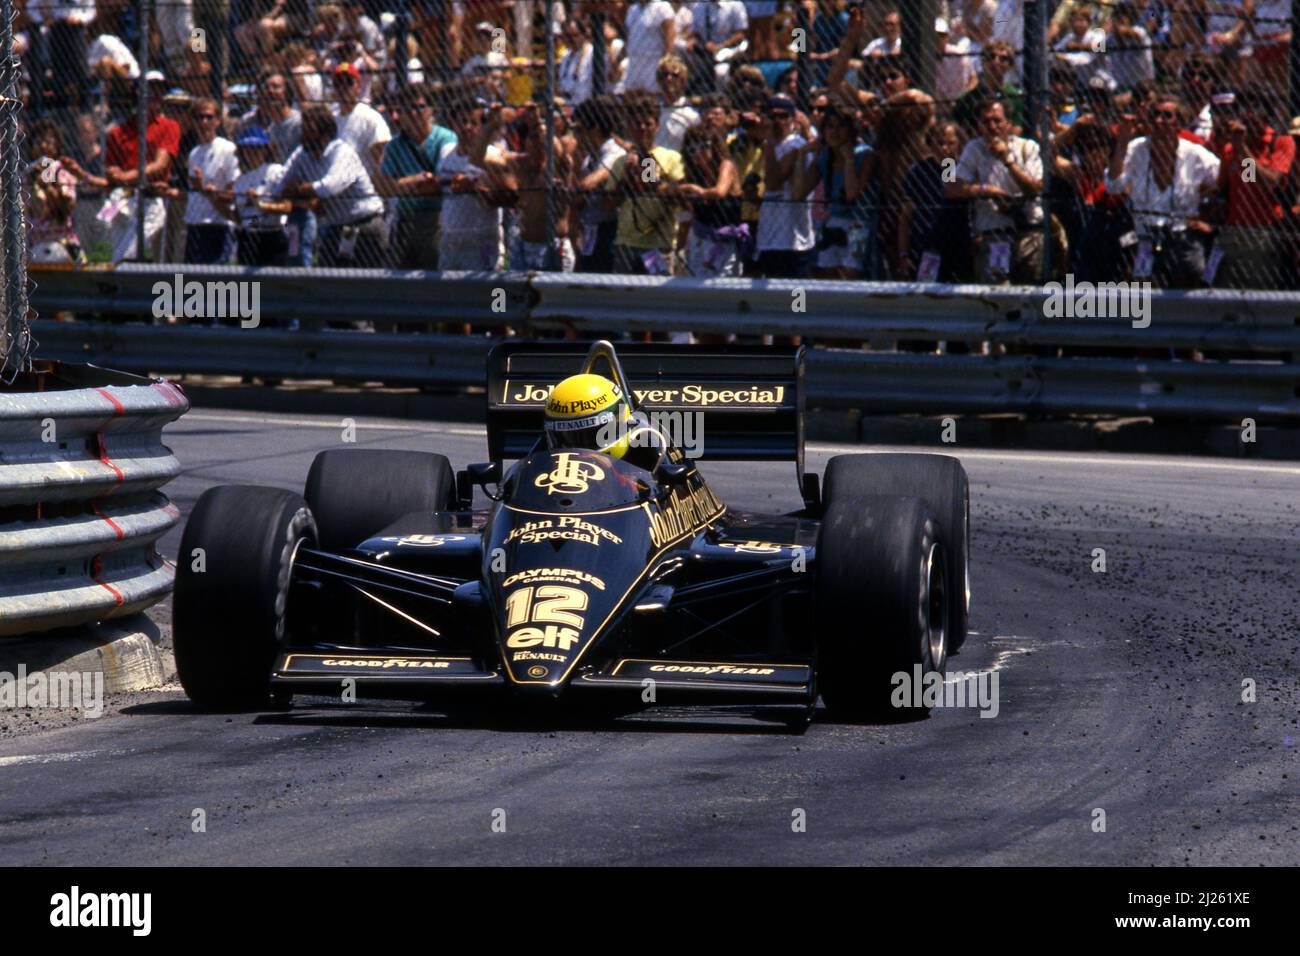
[385,663]
[712,669]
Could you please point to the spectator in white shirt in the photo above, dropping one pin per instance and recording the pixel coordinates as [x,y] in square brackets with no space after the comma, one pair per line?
[259,233]
[785,230]
[359,125]
[471,237]
[889,43]
[676,115]
[213,167]
[955,73]
[717,34]
[651,34]
[1082,46]
[351,214]
[110,58]
[1128,49]
[1003,174]
[1165,177]
[573,74]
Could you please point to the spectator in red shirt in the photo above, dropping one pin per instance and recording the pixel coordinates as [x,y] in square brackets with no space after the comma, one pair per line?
[1255,169]
[121,173]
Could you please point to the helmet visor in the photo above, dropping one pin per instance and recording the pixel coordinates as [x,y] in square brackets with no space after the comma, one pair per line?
[585,432]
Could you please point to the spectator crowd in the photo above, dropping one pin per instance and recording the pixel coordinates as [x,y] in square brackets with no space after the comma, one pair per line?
[727,138]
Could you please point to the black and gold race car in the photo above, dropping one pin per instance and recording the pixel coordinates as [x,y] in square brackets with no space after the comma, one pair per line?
[606,578]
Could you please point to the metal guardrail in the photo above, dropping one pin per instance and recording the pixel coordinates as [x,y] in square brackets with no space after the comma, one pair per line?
[81,467]
[1259,331]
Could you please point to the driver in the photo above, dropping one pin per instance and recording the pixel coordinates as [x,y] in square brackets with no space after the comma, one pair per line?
[591,413]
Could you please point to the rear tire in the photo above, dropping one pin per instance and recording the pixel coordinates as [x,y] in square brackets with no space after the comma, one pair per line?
[882,607]
[356,493]
[231,600]
[938,480]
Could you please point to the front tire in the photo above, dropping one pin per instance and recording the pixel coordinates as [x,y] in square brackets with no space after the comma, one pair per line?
[882,604]
[230,611]
[355,493]
[938,480]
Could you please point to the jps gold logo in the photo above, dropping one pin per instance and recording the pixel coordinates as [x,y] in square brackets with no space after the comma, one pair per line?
[570,477]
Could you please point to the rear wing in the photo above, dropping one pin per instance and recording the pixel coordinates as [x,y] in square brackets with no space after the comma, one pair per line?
[750,398]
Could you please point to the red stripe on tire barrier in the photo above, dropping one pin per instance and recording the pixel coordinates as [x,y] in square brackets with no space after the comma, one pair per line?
[96,569]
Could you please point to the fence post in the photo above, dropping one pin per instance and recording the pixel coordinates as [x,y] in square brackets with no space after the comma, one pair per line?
[1036,103]
[803,64]
[1293,60]
[918,42]
[15,334]
[142,128]
[403,31]
[599,54]
[551,259]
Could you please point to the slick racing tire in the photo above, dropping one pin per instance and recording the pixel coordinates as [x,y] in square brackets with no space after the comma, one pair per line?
[355,493]
[882,605]
[938,480]
[231,603]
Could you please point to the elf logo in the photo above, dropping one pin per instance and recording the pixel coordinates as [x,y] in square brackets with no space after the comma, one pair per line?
[562,638]
[76,909]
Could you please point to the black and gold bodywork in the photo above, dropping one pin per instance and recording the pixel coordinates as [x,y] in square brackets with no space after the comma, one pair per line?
[587,575]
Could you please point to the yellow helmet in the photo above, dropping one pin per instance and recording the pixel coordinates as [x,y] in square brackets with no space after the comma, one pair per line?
[588,411]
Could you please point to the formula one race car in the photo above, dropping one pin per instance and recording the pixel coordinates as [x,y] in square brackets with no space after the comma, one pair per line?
[605,569]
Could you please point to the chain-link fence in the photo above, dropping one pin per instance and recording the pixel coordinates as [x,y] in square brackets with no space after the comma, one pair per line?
[15,334]
[952,140]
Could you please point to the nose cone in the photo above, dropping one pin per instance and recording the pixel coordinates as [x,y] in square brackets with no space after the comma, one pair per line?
[564,582]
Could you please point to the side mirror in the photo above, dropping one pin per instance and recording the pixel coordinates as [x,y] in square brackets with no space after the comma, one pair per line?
[674,473]
[485,473]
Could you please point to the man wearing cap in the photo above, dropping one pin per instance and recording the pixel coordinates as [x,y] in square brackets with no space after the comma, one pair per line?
[409,172]
[351,214]
[359,125]
[282,124]
[121,159]
[785,228]
[213,167]
[260,236]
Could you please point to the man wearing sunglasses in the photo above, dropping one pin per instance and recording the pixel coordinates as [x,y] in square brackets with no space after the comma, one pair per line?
[997,60]
[1165,178]
[213,165]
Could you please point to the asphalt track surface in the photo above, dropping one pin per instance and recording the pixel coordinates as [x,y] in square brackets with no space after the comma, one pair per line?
[1119,692]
